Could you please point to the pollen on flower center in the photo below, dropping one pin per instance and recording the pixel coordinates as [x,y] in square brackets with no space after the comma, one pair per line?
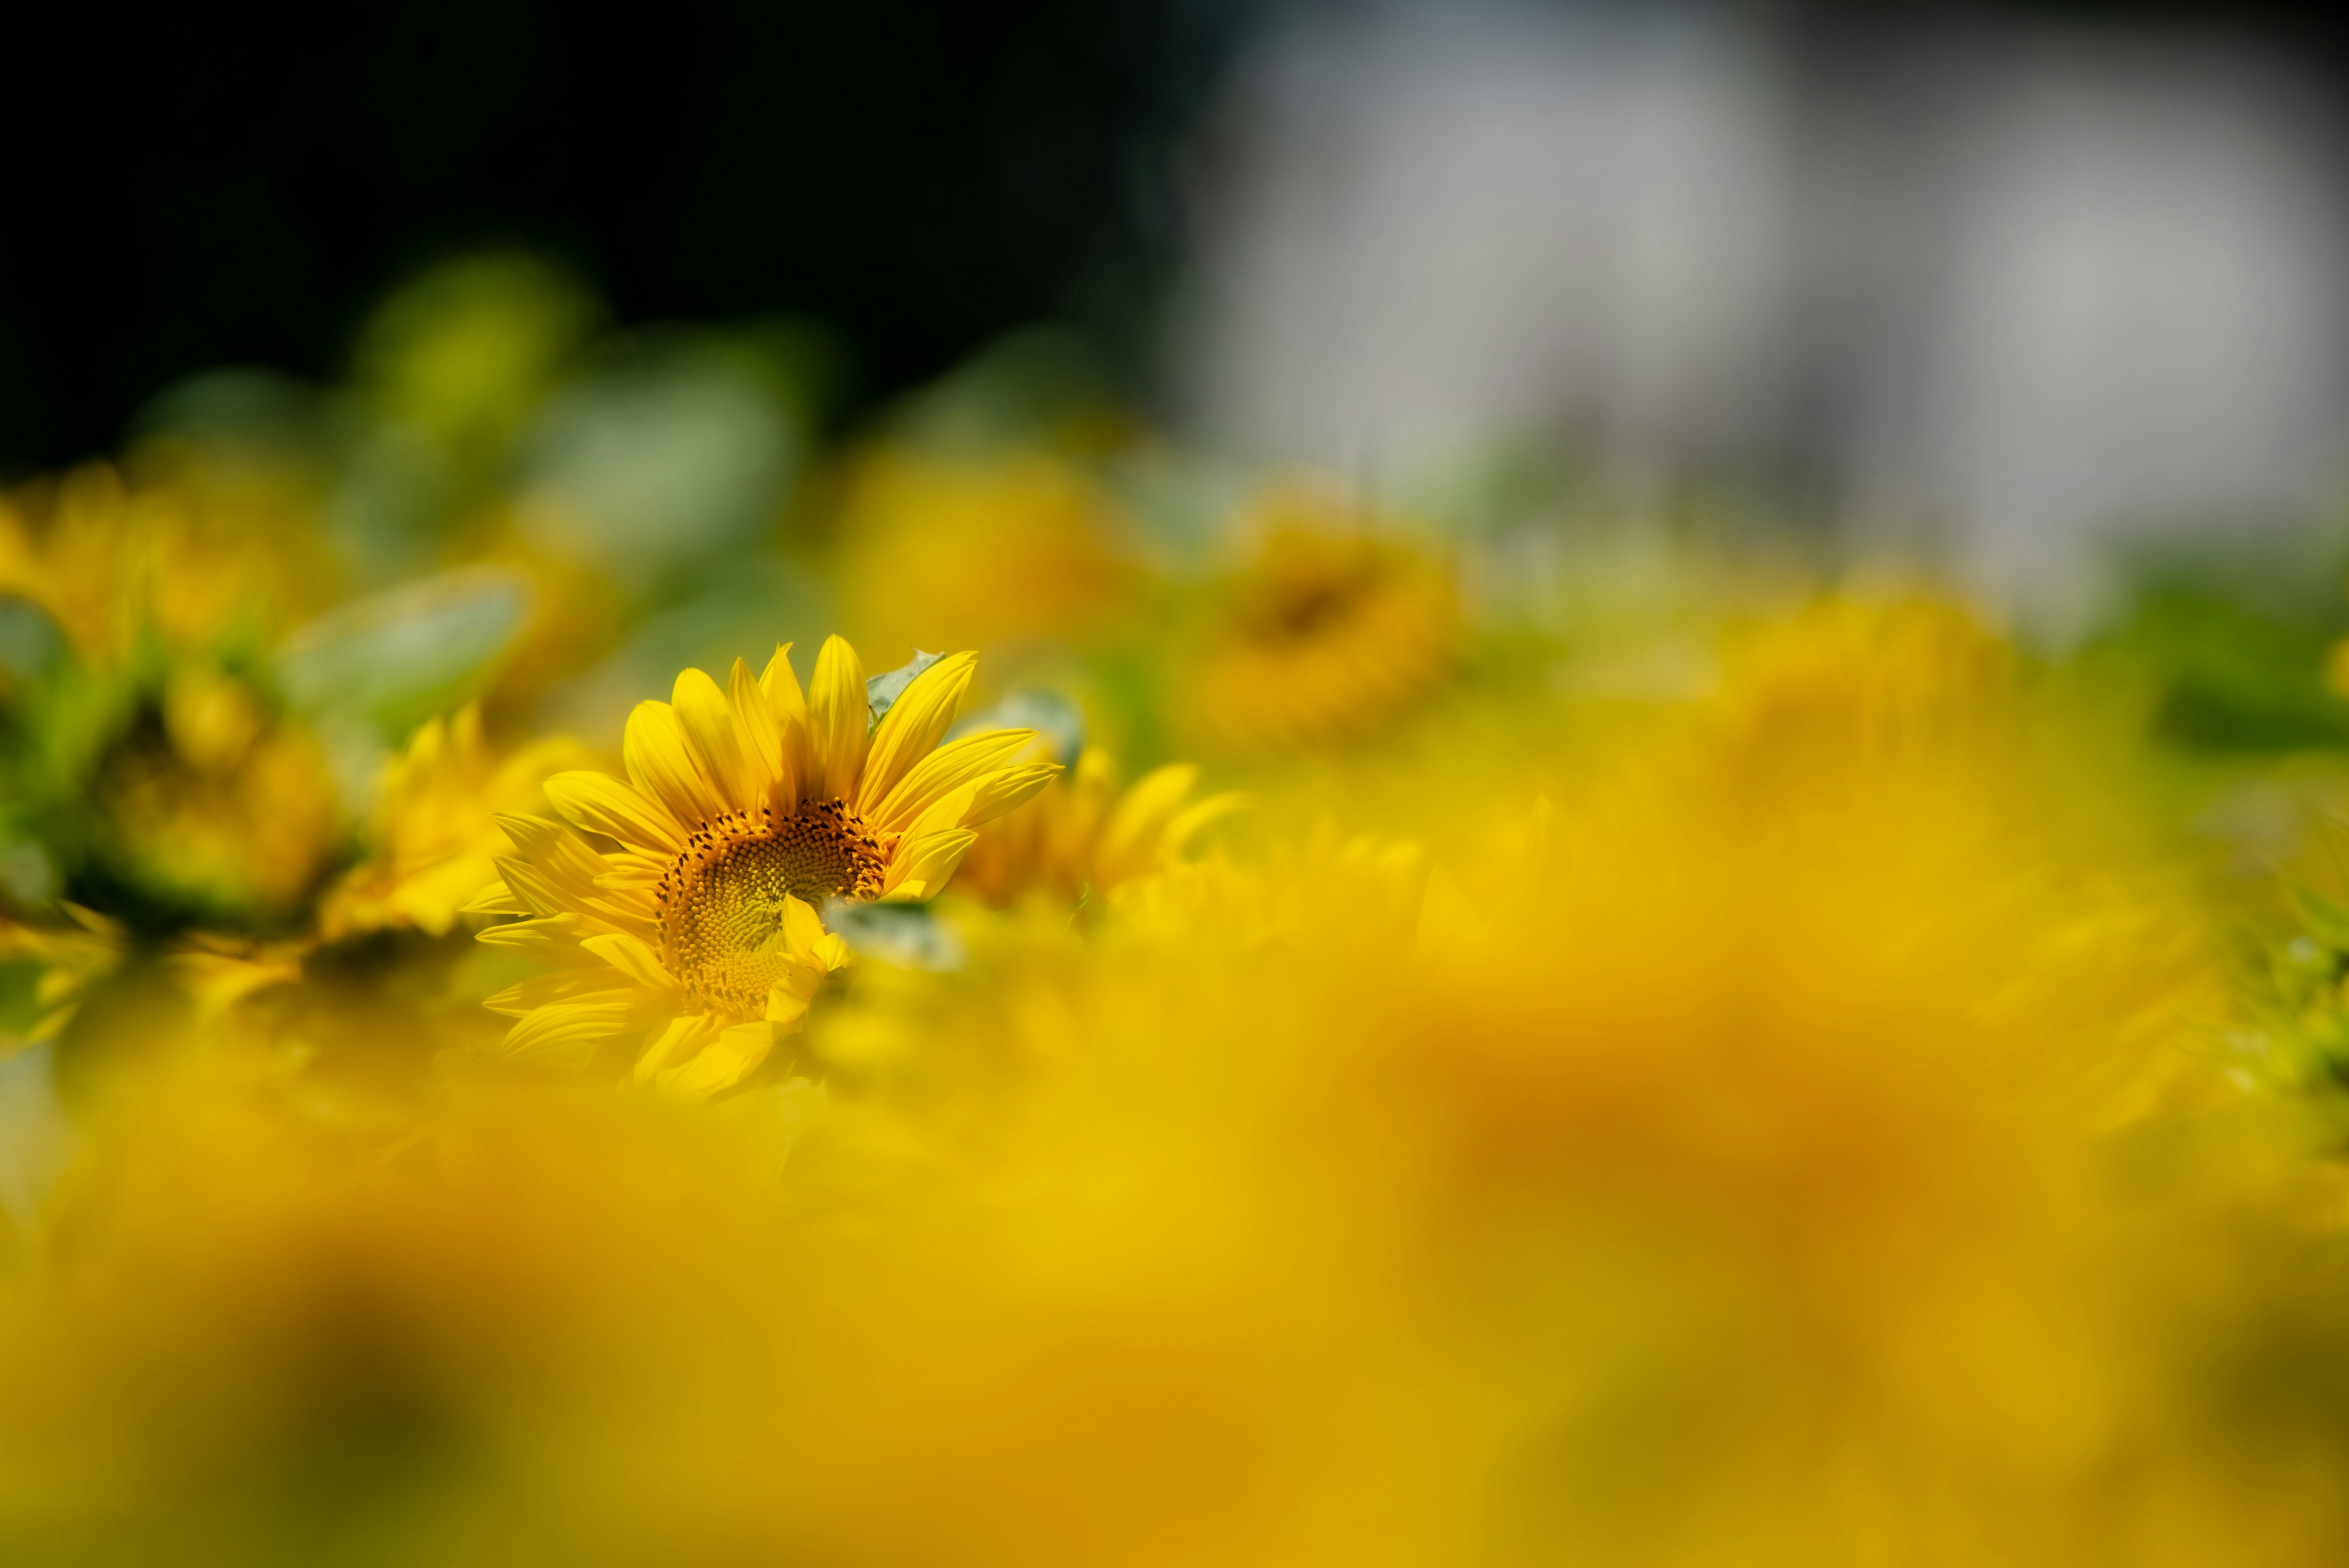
[721,900]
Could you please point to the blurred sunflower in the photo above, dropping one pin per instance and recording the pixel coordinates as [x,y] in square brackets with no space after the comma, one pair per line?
[108,561]
[213,802]
[1327,635]
[436,837]
[1083,835]
[747,809]
[977,552]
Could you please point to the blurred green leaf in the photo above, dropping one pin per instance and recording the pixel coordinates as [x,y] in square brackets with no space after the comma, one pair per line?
[390,663]
[908,935]
[31,646]
[2237,651]
[882,692]
[1038,708]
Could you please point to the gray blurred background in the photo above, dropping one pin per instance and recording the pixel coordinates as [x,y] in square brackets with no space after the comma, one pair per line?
[2003,287]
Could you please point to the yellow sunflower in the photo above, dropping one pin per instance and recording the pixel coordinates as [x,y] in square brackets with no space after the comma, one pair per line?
[988,553]
[107,559]
[746,809]
[1326,636]
[435,838]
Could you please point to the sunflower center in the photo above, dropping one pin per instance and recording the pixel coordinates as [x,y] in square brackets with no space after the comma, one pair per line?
[722,905]
[1304,590]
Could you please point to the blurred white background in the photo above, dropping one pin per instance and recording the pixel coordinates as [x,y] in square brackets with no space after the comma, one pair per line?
[2004,292]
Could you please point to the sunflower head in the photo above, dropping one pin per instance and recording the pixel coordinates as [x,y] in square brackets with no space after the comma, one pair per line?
[989,552]
[1326,636]
[684,901]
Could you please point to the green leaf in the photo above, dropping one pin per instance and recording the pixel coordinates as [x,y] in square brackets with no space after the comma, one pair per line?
[31,646]
[907,935]
[1038,708]
[882,692]
[397,658]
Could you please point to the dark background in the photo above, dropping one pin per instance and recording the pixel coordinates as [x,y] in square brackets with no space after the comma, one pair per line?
[194,184]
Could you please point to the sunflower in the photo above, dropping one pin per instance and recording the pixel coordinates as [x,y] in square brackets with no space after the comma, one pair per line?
[213,805]
[1326,636]
[108,561]
[1083,835]
[985,552]
[746,810]
[435,838]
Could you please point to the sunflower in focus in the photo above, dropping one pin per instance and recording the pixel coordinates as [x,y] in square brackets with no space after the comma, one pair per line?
[1084,835]
[1326,636]
[746,810]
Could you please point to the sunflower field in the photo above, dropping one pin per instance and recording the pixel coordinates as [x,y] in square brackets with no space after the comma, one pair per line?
[594,969]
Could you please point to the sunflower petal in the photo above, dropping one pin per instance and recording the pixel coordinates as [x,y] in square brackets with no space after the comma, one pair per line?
[725,1062]
[788,1002]
[554,938]
[676,1041]
[1196,816]
[754,718]
[526,997]
[597,803]
[949,768]
[1129,840]
[1006,791]
[497,898]
[708,719]
[539,894]
[662,765]
[930,864]
[922,714]
[633,959]
[565,1033]
[838,718]
[799,776]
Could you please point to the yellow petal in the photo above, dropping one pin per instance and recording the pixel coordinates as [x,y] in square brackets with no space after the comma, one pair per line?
[1129,840]
[707,719]
[496,898]
[676,1041]
[838,718]
[588,985]
[554,939]
[1013,787]
[799,777]
[803,927]
[754,718]
[725,1062]
[661,766]
[922,714]
[945,812]
[787,1004]
[1196,816]
[550,845]
[781,685]
[633,959]
[566,1032]
[930,863]
[540,895]
[596,803]
[949,768]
